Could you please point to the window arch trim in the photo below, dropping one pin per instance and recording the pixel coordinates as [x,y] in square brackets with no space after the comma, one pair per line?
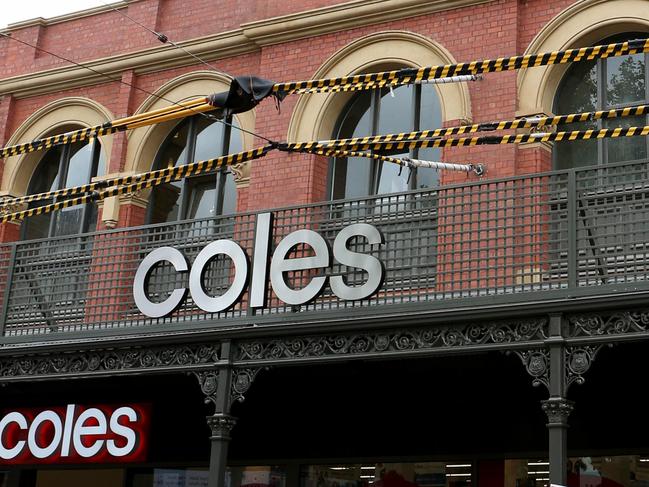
[314,117]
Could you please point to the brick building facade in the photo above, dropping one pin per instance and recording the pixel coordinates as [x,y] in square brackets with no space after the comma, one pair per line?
[282,41]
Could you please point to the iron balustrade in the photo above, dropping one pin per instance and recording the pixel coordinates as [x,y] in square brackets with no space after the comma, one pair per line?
[537,236]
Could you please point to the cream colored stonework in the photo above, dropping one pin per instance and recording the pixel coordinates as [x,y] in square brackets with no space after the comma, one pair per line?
[585,23]
[144,142]
[59,116]
[314,116]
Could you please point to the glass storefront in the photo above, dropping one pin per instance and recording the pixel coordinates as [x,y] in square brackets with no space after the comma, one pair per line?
[416,474]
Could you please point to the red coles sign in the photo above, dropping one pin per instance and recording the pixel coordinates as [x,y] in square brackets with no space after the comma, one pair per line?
[74,434]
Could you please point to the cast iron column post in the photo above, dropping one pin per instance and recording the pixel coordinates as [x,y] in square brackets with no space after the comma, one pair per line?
[557,407]
[221,423]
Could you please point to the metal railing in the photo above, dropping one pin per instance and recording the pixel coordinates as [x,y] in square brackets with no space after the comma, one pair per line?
[557,233]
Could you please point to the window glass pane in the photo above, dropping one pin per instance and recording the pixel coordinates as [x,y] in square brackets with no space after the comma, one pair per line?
[79,165]
[430,117]
[236,144]
[626,148]
[101,164]
[390,181]
[420,474]
[261,476]
[209,139]
[395,113]
[578,93]
[45,179]
[351,177]
[203,200]
[625,79]
[38,225]
[166,203]
[229,194]
[166,198]
[174,151]
[68,221]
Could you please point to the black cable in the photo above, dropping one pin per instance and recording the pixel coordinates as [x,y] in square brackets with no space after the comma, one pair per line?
[159,97]
[163,38]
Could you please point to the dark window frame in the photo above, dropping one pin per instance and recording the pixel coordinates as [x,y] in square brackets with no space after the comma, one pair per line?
[602,104]
[187,184]
[376,166]
[60,180]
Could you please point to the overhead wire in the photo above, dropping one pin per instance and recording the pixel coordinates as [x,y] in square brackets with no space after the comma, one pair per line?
[162,37]
[163,176]
[411,140]
[27,147]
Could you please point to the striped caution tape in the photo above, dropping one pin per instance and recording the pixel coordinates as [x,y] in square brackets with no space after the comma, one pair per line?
[394,144]
[148,118]
[525,122]
[414,75]
[129,184]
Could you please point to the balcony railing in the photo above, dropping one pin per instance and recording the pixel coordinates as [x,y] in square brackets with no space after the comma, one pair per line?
[558,234]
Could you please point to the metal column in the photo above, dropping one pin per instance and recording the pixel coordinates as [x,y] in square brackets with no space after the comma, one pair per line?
[557,407]
[221,423]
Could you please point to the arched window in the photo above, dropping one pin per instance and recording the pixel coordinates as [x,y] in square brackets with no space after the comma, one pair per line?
[603,84]
[382,111]
[195,139]
[64,167]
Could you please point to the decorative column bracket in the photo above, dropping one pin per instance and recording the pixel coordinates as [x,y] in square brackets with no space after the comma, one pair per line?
[537,364]
[578,360]
[209,383]
[241,381]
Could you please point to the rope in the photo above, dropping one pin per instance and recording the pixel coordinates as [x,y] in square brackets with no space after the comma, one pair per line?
[415,75]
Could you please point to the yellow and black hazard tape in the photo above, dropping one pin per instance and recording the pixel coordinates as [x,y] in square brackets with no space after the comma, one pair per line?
[478,169]
[413,75]
[471,141]
[148,118]
[483,127]
[129,184]
[69,137]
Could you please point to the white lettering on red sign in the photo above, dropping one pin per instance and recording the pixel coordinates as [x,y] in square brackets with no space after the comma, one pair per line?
[73,434]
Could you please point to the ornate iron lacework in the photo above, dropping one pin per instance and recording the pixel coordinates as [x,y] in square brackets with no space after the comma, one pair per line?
[578,361]
[537,364]
[242,379]
[98,362]
[500,332]
[209,382]
[616,323]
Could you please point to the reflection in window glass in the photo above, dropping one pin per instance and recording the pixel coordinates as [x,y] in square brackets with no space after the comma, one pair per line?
[420,474]
[195,139]
[262,476]
[404,109]
[615,82]
[64,167]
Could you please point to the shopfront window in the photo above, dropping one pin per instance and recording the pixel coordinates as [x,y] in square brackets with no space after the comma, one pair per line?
[64,167]
[203,196]
[420,474]
[603,84]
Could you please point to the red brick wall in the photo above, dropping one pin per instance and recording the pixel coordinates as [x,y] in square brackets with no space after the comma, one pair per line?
[497,28]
